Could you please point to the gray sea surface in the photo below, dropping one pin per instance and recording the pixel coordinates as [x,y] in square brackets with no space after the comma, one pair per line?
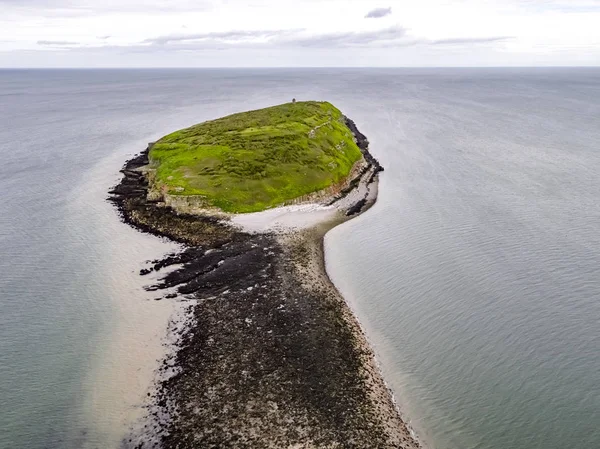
[476,275]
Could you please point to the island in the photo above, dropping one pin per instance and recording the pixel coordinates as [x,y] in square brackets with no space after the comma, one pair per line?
[270,356]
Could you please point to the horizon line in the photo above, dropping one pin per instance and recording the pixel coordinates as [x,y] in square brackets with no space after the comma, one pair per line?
[298,67]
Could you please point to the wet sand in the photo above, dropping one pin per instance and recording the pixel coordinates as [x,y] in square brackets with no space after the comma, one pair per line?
[270,355]
[122,359]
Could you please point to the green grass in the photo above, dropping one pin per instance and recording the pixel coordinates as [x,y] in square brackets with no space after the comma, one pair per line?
[255,160]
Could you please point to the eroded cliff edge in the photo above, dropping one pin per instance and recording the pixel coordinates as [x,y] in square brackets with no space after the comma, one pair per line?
[271,356]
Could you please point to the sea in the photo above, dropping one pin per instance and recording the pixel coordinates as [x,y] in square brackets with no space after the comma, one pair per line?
[476,275]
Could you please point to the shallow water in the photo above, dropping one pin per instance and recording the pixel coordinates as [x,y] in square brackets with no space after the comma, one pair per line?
[476,273]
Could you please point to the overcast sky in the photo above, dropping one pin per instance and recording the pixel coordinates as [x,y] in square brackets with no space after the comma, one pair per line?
[314,33]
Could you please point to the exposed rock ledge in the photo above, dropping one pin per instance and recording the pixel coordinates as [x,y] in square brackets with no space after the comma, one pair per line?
[271,356]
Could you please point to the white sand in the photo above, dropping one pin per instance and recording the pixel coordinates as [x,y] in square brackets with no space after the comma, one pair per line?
[285,219]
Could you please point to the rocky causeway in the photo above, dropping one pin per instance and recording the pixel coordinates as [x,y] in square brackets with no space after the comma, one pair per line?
[270,355]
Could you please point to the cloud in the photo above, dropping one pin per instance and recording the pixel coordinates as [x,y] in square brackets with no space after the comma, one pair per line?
[389,37]
[222,36]
[378,13]
[70,8]
[470,40]
[349,38]
[563,6]
[283,38]
[474,32]
[57,43]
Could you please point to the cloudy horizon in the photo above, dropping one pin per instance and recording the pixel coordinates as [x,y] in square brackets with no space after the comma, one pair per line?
[303,33]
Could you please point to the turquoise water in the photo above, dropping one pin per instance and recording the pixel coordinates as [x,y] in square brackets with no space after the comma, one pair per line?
[476,273]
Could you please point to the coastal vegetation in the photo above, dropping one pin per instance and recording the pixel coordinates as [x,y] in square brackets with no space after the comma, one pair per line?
[255,160]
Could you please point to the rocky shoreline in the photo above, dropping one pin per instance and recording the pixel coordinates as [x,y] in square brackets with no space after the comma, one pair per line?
[270,356]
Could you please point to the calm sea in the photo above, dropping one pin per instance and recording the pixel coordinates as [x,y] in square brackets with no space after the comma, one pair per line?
[476,275]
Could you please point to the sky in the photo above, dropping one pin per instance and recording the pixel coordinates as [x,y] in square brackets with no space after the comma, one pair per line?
[299,33]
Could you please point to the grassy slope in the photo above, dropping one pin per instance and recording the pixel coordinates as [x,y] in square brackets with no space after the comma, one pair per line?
[254,160]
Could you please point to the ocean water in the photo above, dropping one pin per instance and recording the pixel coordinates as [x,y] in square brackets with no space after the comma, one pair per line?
[476,274]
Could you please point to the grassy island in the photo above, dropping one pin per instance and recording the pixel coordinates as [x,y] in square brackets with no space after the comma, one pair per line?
[255,160]
[269,354]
